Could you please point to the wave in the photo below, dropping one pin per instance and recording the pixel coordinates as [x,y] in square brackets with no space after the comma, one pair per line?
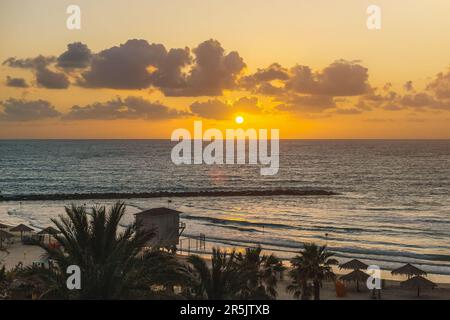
[221,222]
[430,262]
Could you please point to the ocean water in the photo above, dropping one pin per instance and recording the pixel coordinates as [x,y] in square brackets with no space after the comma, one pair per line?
[393,204]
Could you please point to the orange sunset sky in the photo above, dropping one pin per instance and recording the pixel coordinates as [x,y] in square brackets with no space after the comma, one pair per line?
[140,69]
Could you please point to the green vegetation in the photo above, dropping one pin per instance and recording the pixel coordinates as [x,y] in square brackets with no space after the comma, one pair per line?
[312,264]
[114,265]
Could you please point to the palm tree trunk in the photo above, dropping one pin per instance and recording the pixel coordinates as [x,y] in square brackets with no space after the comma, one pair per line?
[305,290]
[316,290]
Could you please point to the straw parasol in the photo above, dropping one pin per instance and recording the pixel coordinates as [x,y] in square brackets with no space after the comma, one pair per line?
[357,276]
[409,270]
[4,226]
[354,264]
[3,236]
[418,282]
[50,231]
[21,228]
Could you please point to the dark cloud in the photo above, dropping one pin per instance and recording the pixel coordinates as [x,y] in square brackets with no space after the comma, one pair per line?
[29,63]
[268,89]
[306,103]
[211,109]
[208,70]
[264,77]
[347,111]
[138,64]
[213,71]
[418,100]
[128,108]
[44,76]
[378,120]
[408,86]
[392,107]
[169,74]
[441,85]
[341,78]
[76,56]
[50,79]
[218,110]
[23,110]
[247,105]
[16,82]
[393,101]
[125,66]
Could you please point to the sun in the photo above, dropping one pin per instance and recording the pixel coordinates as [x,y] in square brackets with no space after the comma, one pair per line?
[239,119]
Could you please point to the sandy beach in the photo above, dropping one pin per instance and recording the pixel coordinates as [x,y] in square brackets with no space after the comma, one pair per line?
[17,252]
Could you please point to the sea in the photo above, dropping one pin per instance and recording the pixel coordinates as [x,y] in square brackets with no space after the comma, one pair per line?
[392,204]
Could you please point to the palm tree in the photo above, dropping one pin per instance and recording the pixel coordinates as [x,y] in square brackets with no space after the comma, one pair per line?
[258,274]
[313,263]
[218,283]
[107,257]
[163,270]
[299,285]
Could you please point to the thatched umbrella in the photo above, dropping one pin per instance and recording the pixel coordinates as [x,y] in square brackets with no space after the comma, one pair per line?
[4,226]
[21,228]
[357,276]
[50,231]
[3,236]
[354,264]
[418,282]
[409,270]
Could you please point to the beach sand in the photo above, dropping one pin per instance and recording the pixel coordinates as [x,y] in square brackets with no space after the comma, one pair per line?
[392,291]
[17,252]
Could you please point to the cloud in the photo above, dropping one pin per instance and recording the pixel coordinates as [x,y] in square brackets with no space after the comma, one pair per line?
[268,89]
[306,103]
[16,82]
[125,66]
[418,100]
[441,85]
[392,107]
[44,76]
[23,110]
[128,108]
[169,73]
[408,86]
[212,72]
[77,55]
[29,63]
[211,109]
[50,79]
[264,76]
[138,65]
[341,78]
[208,70]
[218,110]
[347,111]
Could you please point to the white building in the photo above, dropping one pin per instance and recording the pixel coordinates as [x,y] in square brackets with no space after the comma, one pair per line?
[165,225]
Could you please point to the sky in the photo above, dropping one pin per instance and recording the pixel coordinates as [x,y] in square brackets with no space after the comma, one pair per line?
[140,69]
